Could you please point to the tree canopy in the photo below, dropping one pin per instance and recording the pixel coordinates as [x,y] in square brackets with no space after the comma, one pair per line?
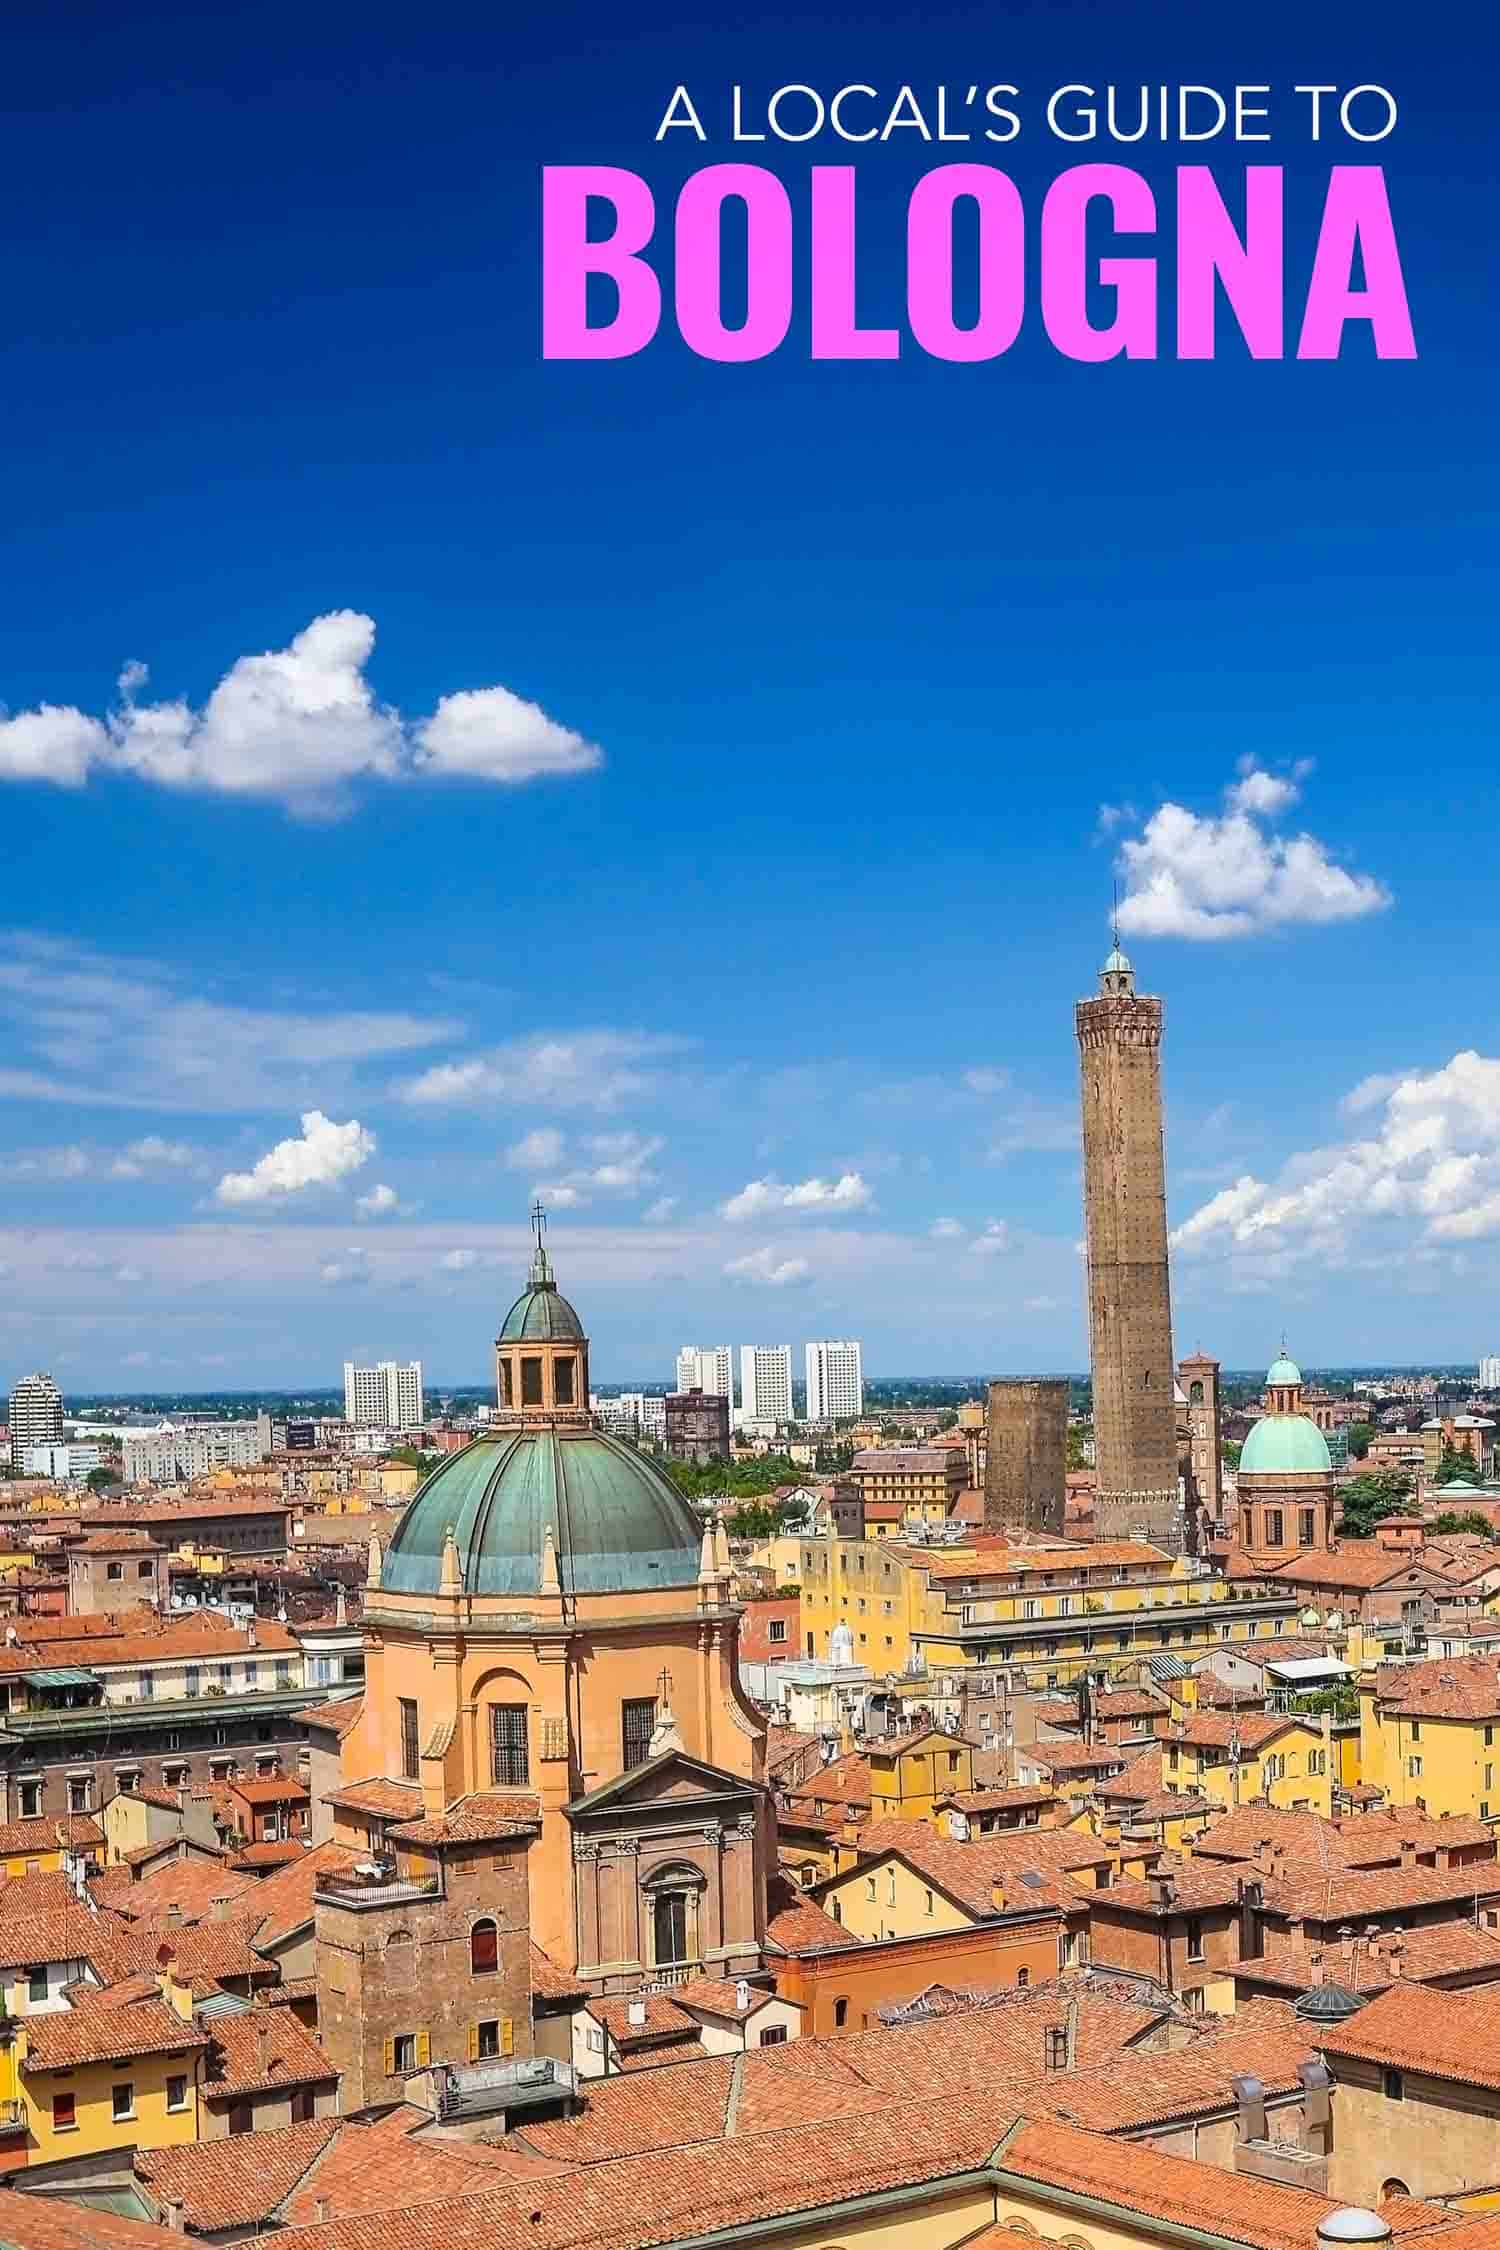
[1368,1498]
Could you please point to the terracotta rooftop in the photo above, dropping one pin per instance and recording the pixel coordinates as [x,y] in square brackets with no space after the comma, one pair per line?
[259,2048]
[1211,1730]
[1449,1687]
[482,1818]
[1416,2027]
[386,1800]
[94,2029]
[271,1789]
[50,1832]
[46,2222]
[797,1924]
[190,1885]
[340,1717]
[548,1980]
[235,2182]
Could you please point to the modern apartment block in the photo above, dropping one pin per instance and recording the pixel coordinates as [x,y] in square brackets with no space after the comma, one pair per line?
[389,1395]
[1489,1371]
[36,1415]
[177,1452]
[766,1382]
[835,1381]
[707,1368]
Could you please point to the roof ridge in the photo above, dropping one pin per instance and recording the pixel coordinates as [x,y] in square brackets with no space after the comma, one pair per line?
[339,2124]
[732,2095]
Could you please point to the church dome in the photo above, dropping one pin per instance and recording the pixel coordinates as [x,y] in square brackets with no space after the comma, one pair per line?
[619,1525]
[541,1314]
[1285,1445]
[1283,1370]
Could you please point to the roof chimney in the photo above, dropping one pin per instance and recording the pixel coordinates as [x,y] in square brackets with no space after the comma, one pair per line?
[637,2013]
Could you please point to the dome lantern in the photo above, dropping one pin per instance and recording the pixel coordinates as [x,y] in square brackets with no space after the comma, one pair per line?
[541,1352]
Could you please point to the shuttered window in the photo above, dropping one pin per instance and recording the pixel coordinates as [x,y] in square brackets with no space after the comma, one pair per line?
[509,1766]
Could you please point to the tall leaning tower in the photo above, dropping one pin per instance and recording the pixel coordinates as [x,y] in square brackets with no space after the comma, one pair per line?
[1125,1216]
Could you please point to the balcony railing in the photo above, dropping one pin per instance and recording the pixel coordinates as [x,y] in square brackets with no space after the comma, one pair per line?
[481,2088]
[352,1890]
[668,1974]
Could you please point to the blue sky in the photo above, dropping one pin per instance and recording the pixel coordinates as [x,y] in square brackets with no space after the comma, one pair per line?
[725,789]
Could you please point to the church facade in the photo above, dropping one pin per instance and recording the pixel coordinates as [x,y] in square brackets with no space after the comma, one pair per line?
[554,1759]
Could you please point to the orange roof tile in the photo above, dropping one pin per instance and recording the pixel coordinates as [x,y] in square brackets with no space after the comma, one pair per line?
[484,1817]
[95,2029]
[236,2182]
[387,1800]
[50,1832]
[1417,2027]
[263,2047]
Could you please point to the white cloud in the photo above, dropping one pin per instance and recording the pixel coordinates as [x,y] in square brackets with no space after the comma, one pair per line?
[946,1230]
[488,734]
[92,1028]
[1211,876]
[296,725]
[1430,1168]
[623,1167]
[850,1192]
[659,1211]
[767,1270]
[323,1154]
[458,1261]
[536,1151]
[74,1162]
[986,1081]
[382,1202]
[994,1241]
[579,1070]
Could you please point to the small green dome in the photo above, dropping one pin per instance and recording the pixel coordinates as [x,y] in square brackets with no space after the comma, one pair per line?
[1284,1444]
[541,1314]
[1283,1370]
[1118,963]
[619,1525]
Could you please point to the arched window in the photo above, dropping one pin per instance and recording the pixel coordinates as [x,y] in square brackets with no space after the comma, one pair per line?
[1195,1392]
[484,1948]
[840,2014]
[1389,2189]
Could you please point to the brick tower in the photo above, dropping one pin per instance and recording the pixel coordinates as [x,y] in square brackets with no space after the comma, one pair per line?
[1125,1218]
[1025,1457]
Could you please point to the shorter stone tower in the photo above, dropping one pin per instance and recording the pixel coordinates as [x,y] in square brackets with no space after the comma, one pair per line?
[1026,1446]
[1200,1430]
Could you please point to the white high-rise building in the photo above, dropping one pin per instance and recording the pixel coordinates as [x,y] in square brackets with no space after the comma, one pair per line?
[766,1382]
[835,1381]
[36,1415]
[707,1368]
[389,1395]
[1489,1372]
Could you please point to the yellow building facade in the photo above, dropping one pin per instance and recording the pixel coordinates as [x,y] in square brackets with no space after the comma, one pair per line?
[1288,1762]
[1432,1738]
[1053,1613]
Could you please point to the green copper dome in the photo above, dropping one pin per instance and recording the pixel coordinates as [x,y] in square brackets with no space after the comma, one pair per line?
[619,1525]
[541,1314]
[1283,1371]
[1117,963]
[1283,1444]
